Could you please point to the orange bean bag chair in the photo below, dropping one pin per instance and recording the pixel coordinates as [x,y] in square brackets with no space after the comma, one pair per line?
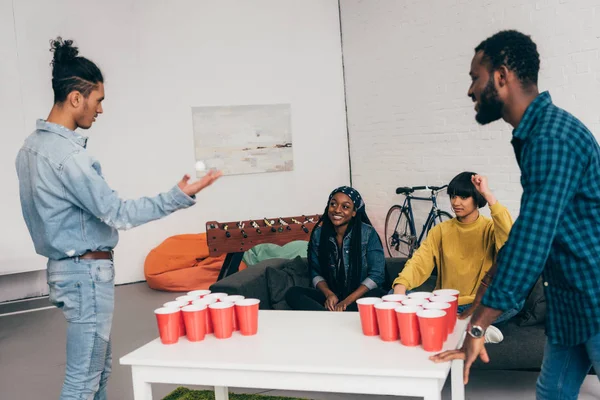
[182,263]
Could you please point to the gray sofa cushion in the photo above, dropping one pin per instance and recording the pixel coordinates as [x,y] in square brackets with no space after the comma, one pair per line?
[250,282]
[522,348]
[279,280]
[534,310]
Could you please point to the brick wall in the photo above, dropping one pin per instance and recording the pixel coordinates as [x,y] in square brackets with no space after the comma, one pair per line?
[406,69]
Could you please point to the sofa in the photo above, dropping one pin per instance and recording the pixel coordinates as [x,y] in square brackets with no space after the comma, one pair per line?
[524,338]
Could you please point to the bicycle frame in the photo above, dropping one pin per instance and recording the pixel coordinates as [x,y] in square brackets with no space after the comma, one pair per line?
[432,213]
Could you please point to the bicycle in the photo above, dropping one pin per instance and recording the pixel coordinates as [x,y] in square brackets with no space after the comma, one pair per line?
[400,232]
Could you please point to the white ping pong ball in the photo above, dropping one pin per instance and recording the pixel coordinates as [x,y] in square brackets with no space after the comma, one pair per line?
[200,166]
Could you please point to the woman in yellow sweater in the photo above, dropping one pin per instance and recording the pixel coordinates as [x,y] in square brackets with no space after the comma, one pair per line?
[464,248]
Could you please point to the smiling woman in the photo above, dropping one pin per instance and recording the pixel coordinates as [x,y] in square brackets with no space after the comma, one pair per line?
[345,257]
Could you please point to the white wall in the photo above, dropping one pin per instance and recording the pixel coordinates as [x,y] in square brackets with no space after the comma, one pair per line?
[407,64]
[159,59]
[16,249]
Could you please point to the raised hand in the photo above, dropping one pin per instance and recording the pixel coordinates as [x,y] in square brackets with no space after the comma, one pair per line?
[192,188]
[481,185]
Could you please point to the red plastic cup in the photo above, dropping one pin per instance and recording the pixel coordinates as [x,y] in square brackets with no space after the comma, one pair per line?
[453,301]
[408,325]
[167,319]
[234,299]
[420,295]
[206,302]
[449,315]
[216,296]
[222,319]
[175,304]
[432,325]
[368,316]
[414,302]
[386,320]
[194,317]
[198,294]
[185,298]
[447,292]
[178,304]
[394,297]
[246,311]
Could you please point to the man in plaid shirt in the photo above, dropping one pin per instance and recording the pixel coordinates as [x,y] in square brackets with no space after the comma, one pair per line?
[557,234]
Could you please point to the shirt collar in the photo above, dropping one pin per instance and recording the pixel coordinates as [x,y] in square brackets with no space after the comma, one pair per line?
[62,131]
[347,237]
[531,115]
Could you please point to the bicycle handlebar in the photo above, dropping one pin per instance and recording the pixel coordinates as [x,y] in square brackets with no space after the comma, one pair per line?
[408,190]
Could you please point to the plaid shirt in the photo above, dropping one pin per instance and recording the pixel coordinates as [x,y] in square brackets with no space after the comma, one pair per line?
[557,233]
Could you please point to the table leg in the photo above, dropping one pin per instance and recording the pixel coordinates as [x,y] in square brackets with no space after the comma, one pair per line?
[221,393]
[458,388]
[433,396]
[141,390]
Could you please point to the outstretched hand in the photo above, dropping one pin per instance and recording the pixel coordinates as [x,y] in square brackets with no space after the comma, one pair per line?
[192,188]
[472,348]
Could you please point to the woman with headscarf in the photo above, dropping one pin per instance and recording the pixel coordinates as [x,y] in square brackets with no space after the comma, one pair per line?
[345,257]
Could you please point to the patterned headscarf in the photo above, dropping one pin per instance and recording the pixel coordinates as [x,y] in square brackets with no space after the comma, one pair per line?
[353,194]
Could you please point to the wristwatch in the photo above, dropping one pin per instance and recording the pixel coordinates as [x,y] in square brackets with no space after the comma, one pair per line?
[476,331]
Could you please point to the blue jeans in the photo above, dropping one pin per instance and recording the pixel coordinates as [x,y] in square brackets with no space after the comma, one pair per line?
[84,290]
[564,368]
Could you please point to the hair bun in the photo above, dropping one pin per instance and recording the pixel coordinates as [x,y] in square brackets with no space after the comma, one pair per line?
[63,50]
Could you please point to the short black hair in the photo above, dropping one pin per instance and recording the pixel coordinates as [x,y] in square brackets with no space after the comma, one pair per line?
[71,72]
[516,51]
[462,186]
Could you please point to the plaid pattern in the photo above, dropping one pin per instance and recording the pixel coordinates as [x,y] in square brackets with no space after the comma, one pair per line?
[557,233]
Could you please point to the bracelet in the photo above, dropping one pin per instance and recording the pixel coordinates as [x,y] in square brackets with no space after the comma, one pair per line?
[484,284]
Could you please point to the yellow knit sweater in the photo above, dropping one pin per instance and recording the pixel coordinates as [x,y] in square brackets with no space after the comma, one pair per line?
[462,253]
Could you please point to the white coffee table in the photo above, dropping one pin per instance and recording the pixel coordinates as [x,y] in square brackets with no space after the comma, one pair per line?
[296,350]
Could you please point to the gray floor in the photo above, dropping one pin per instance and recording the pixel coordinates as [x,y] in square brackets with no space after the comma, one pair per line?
[32,355]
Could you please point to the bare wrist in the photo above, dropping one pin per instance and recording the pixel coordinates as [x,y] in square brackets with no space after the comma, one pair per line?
[399,289]
[490,198]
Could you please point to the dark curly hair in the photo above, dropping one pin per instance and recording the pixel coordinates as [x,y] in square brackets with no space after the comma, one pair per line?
[71,72]
[516,51]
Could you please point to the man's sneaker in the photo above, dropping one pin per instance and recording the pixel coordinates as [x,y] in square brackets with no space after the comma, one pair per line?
[493,335]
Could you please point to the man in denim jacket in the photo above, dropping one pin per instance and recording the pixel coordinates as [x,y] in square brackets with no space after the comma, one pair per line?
[73,217]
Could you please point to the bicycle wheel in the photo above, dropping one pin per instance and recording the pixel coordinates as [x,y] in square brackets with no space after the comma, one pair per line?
[399,240]
[440,217]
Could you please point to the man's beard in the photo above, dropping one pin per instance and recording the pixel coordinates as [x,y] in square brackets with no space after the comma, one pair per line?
[490,105]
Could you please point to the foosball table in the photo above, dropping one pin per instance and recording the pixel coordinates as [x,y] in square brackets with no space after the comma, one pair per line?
[234,238]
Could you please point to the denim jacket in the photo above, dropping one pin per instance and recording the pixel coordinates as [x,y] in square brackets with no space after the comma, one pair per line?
[373,259]
[68,207]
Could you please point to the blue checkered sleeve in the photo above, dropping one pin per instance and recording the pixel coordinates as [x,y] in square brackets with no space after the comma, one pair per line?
[551,172]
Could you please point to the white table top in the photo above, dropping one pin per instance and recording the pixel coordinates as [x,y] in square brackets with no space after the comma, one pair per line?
[299,341]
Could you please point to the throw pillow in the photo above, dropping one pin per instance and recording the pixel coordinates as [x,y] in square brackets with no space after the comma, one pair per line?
[534,309]
[266,251]
[279,280]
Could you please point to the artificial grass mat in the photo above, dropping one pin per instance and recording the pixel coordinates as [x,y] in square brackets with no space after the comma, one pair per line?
[187,394]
